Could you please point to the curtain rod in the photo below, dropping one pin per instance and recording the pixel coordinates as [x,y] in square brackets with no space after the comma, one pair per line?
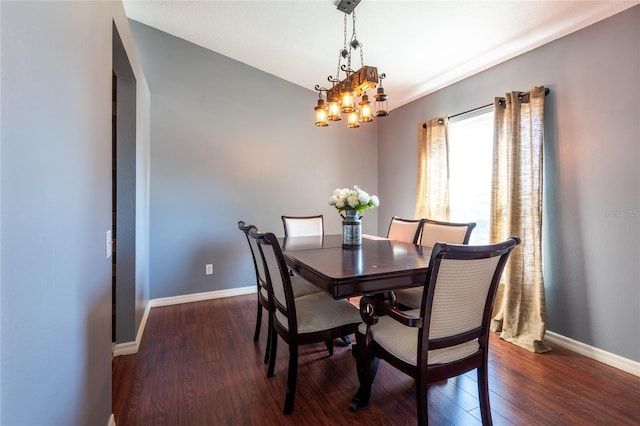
[546,92]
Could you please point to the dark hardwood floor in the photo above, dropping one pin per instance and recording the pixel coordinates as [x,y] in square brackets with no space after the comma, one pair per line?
[198,365]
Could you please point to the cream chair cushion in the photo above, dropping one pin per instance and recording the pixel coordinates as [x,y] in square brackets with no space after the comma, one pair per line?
[402,231]
[304,227]
[402,342]
[318,311]
[458,305]
[433,233]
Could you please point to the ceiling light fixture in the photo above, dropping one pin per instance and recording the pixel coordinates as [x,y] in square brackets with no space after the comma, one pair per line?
[341,96]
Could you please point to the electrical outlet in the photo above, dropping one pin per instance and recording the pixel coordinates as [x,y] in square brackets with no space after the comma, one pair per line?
[208,269]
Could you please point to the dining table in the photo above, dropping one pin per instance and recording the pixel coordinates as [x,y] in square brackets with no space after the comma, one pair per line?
[378,265]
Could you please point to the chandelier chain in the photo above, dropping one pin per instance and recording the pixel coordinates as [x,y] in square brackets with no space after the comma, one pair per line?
[337,70]
[347,52]
[345,33]
[355,43]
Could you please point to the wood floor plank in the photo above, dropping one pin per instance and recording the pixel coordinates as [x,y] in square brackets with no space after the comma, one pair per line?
[198,365]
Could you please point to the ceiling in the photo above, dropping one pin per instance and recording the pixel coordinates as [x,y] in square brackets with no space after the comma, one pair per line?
[421,46]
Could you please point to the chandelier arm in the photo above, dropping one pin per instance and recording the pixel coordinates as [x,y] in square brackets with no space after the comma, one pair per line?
[346,69]
[333,80]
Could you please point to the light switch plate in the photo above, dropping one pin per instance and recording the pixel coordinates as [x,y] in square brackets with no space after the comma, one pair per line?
[109,242]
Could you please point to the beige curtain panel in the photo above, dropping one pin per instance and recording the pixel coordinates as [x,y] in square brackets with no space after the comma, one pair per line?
[516,209]
[432,188]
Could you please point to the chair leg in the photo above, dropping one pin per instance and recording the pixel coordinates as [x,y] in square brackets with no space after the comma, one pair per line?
[256,334]
[273,350]
[329,345]
[483,394]
[367,367]
[267,352]
[292,379]
[422,402]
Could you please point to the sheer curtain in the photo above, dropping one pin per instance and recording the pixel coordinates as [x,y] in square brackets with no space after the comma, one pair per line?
[432,188]
[516,209]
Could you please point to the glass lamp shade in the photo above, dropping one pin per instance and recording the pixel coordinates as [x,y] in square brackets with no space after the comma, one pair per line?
[352,119]
[382,108]
[334,110]
[348,102]
[365,109]
[321,114]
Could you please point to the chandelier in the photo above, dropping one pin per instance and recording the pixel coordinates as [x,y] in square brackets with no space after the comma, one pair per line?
[340,98]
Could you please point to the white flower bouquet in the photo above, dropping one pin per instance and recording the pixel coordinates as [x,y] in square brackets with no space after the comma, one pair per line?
[353,199]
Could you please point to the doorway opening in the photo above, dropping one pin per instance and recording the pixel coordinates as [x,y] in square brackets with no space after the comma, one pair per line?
[123,194]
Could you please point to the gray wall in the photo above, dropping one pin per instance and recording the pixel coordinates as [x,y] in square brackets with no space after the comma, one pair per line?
[55,279]
[592,178]
[231,142]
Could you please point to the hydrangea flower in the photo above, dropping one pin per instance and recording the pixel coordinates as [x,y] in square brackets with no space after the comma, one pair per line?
[353,199]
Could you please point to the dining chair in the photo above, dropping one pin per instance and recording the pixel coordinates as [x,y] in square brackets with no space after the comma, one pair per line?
[306,226]
[313,318]
[447,336]
[434,231]
[402,229]
[300,286]
[303,226]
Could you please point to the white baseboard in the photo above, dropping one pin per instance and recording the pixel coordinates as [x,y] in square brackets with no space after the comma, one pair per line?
[129,348]
[613,360]
[126,348]
[197,297]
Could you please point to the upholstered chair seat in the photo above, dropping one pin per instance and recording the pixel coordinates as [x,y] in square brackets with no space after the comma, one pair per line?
[402,342]
[318,311]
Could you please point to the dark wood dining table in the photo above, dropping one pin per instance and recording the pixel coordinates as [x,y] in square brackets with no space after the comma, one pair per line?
[377,266]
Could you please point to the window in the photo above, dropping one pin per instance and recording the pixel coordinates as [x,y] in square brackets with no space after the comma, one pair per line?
[470,163]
